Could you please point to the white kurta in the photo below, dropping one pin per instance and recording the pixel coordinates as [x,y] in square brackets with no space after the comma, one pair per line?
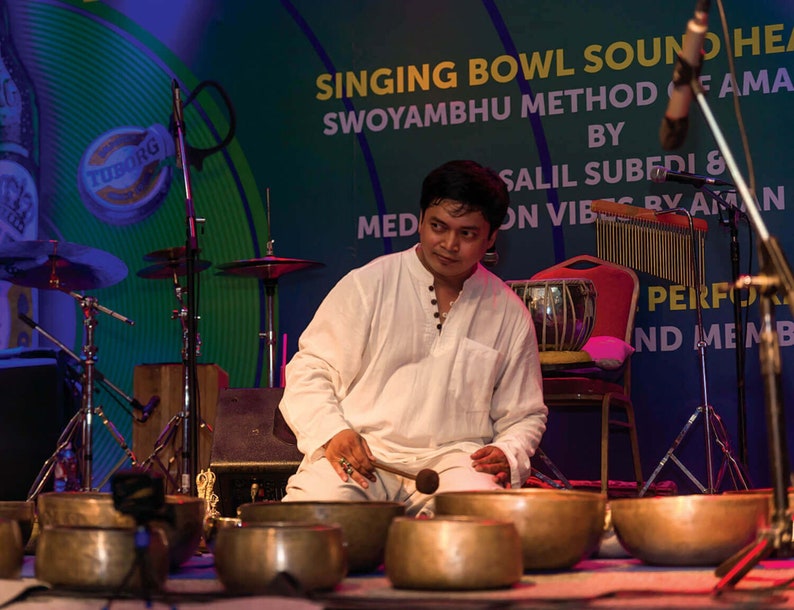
[373,359]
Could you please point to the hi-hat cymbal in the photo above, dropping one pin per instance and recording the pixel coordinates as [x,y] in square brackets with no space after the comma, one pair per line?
[59,265]
[266,268]
[167,270]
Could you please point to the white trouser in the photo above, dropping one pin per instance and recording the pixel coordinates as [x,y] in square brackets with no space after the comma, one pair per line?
[318,482]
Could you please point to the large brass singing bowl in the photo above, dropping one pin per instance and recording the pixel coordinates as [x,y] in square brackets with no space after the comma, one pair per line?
[558,528]
[95,509]
[100,559]
[452,553]
[21,511]
[249,558]
[688,530]
[215,524]
[365,525]
[11,549]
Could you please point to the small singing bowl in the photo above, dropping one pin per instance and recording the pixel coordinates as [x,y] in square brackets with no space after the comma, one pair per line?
[558,528]
[365,525]
[96,509]
[250,558]
[213,525]
[21,511]
[452,553]
[11,549]
[101,559]
[688,530]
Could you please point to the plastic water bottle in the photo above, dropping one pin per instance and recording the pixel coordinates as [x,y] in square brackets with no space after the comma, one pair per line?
[66,476]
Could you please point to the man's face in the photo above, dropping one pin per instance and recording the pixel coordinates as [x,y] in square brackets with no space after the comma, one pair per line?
[451,244]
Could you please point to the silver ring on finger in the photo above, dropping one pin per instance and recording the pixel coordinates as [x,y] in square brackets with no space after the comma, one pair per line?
[349,470]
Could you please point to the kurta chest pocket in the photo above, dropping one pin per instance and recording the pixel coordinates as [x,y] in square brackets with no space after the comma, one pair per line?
[473,377]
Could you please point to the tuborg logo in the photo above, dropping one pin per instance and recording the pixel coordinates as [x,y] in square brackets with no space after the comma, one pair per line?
[122,177]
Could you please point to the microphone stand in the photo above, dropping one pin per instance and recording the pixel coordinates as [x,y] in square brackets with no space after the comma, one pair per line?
[734,214]
[775,274]
[190,441]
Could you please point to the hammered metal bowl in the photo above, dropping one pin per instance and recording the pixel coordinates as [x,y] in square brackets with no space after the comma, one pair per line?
[100,559]
[365,525]
[558,528]
[688,530]
[215,524]
[95,509]
[452,553]
[250,558]
[21,511]
[11,549]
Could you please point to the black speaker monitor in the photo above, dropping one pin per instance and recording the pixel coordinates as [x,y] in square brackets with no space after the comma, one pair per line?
[253,452]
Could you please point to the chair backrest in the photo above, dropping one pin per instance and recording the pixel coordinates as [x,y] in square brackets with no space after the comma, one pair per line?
[617,291]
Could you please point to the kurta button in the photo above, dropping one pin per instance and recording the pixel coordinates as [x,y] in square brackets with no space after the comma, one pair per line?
[438,326]
[435,315]
[433,302]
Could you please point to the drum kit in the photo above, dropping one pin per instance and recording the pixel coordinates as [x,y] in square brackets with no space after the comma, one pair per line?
[73,268]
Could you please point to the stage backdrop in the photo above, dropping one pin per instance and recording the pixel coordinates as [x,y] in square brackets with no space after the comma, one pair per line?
[313,124]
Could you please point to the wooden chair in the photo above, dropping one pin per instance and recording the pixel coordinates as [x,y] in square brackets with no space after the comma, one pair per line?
[604,381]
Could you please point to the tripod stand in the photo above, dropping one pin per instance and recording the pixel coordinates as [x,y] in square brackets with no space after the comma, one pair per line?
[83,419]
[177,423]
[713,429]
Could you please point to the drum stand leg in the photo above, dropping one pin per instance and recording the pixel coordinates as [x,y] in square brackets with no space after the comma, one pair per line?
[166,437]
[561,482]
[84,416]
[713,429]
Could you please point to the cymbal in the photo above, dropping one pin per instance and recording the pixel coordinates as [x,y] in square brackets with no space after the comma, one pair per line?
[267,268]
[57,265]
[167,270]
[167,254]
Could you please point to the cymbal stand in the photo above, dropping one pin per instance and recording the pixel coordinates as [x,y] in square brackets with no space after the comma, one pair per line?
[84,416]
[190,440]
[713,429]
[168,434]
[269,334]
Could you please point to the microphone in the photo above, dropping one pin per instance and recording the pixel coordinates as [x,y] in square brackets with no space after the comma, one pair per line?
[147,409]
[662,174]
[491,257]
[675,123]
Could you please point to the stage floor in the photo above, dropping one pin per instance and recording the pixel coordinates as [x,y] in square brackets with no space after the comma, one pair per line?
[597,583]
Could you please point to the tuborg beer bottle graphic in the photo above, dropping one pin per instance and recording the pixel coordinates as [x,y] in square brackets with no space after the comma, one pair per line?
[19,168]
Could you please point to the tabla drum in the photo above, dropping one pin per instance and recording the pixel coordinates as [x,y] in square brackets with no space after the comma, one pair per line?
[563,310]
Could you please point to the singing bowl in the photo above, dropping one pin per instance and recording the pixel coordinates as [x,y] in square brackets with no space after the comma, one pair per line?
[100,559]
[365,525]
[557,528]
[688,530]
[213,525]
[21,511]
[768,493]
[95,509]
[249,558]
[452,553]
[12,549]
